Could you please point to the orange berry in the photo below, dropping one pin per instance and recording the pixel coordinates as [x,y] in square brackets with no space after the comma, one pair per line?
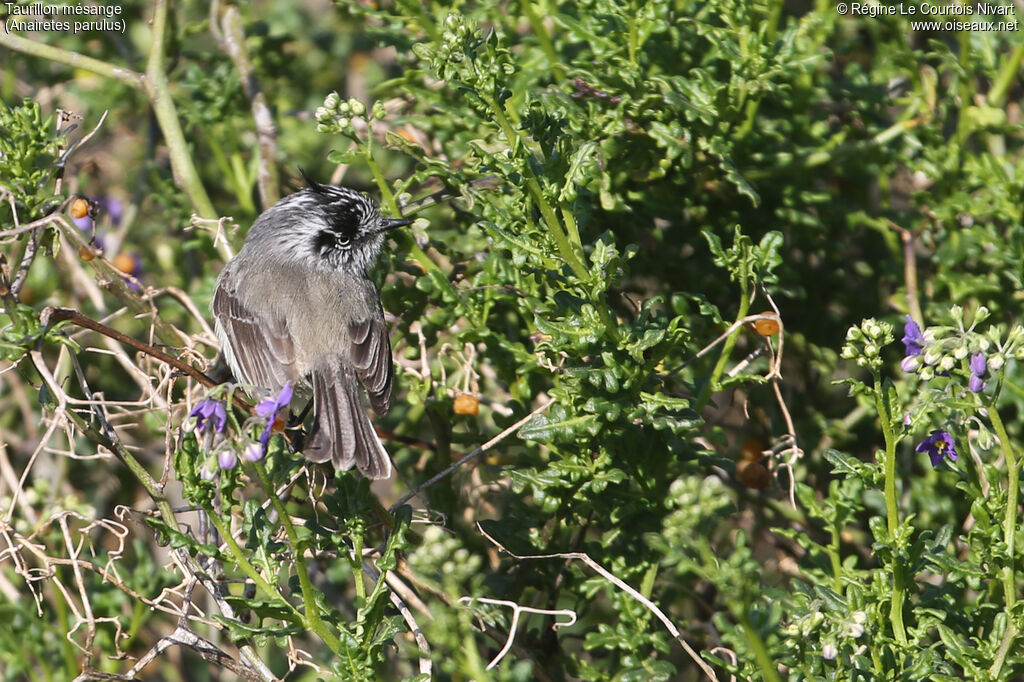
[466,404]
[753,474]
[124,262]
[767,327]
[86,253]
[79,208]
[751,449]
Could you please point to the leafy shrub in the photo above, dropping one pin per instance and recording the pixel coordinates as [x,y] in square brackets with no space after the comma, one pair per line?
[643,232]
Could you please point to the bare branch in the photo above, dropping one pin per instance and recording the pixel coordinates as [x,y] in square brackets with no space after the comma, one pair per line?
[608,575]
[518,609]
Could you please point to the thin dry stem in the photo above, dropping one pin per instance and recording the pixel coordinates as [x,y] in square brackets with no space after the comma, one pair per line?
[622,585]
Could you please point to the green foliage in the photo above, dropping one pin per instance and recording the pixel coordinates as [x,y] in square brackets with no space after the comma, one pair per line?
[606,194]
[29,160]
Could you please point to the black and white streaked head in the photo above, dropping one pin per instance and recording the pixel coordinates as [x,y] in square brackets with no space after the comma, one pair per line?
[332,227]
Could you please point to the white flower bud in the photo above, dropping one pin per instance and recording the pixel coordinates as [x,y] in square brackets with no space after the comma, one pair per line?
[332,100]
[960,352]
[947,363]
[995,362]
[357,107]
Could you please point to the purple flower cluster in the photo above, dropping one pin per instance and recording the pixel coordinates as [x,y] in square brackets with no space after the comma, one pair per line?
[939,444]
[209,417]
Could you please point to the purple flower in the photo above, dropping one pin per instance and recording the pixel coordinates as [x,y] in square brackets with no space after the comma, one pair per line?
[209,412]
[84,223]
[269,408]
[114,208]
[938,445]
[253,452]
[911,363]
[913,339]
[979,364]
[227,459]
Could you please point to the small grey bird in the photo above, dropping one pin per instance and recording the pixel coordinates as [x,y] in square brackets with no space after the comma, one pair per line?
[296,304]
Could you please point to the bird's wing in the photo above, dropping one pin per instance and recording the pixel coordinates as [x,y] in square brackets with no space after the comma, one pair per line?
[258,348]
[370,354]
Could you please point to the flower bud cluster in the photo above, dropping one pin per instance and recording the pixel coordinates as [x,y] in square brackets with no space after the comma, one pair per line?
[335,116]
[443,556]
[222,449]
[864,344]
[941,351]
[456,38]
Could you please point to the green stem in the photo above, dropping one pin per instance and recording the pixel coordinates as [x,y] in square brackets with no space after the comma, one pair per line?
[1009,579]
[357,566]
[1012,491]
[834,559]
[727,346]
[1007,75]
[555,230]
[243,562]
[387,198]
[756,644]
[554,63]
[72,59]
[159,92]
[891,510]
[313,620]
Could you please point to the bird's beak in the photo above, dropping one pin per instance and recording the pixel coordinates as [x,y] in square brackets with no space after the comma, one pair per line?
[391,223]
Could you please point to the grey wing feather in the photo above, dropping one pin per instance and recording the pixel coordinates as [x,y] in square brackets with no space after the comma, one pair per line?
[370,354]
[258,348]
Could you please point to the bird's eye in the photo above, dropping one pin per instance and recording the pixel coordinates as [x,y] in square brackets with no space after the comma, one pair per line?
[344,242]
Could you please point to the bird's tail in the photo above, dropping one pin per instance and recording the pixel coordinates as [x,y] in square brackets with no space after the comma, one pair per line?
[342,431]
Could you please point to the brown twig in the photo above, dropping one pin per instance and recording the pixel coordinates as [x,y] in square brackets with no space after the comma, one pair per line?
[52,315]
[909,269]
[232,41]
